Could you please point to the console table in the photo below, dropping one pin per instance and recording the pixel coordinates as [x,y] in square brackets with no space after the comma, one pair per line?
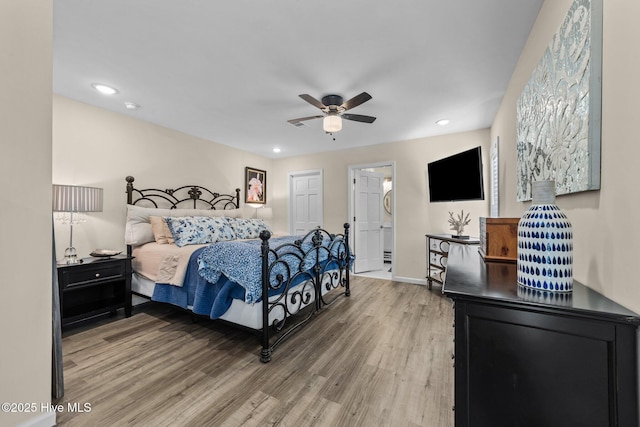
[437,250]
[534,358]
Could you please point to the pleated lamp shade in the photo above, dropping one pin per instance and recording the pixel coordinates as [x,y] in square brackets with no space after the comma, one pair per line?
[72,198]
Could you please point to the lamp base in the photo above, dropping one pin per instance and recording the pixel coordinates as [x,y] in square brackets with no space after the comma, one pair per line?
[71,257]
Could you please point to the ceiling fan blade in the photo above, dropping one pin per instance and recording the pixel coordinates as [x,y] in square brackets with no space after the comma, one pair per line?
[359,118]
[301,119]
[311,100]
[356,100]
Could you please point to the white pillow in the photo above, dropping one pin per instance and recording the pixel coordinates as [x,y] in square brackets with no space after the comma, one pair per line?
[138,231]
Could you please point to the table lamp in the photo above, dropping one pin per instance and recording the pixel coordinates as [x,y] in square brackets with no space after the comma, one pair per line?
[72,202]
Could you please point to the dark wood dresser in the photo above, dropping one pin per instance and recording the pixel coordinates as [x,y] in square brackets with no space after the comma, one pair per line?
[532,358]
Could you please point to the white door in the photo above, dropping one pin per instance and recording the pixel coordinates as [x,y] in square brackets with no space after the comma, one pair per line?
[368,234]
[305,201]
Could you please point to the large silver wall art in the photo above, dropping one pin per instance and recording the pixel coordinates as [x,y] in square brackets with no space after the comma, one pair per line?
[559,110]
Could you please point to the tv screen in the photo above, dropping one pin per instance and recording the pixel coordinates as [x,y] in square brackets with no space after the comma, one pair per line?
[457,177]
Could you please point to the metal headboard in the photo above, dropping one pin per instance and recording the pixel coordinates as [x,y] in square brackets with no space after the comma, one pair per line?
[185,197]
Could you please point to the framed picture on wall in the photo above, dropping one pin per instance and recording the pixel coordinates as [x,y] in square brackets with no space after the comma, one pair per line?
[255,185]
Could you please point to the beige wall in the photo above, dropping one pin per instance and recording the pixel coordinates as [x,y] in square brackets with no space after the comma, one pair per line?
[25,173]
[96,147]
[414,215]
[606,246]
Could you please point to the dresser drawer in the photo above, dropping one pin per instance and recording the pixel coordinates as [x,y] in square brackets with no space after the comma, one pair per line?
[438,260]
[439,245]
[76,277]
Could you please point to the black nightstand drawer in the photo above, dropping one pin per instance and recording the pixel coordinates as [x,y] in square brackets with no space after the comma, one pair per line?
[76,277]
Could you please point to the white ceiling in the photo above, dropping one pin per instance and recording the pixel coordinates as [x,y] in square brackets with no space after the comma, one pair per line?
[231,71]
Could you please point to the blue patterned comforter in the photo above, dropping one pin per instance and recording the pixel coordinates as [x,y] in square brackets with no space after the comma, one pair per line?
[229,270]
[239,261]
[198,295]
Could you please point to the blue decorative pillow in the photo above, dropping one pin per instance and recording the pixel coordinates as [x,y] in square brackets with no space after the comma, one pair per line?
[248,228]
[197,230]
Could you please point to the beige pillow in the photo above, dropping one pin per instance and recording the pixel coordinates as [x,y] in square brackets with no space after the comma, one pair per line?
[161,231]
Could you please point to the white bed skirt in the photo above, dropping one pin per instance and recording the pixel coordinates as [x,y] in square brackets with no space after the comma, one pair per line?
[240,313]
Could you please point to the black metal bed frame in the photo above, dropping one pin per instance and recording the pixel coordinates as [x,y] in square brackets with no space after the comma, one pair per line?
[291,308]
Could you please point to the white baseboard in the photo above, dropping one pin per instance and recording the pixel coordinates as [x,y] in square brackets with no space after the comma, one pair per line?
[410,280]
[46,419]
[375,275]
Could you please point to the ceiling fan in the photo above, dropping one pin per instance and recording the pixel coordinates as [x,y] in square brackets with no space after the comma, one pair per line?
[334,107]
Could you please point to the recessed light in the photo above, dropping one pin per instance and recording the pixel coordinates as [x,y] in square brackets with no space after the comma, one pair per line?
[443,122]
[277,150]
[131,106]
[104,89]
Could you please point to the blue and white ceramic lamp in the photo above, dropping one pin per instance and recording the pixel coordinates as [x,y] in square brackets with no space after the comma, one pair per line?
[545,243]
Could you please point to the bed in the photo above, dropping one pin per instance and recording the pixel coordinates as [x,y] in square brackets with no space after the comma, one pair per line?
[200,250]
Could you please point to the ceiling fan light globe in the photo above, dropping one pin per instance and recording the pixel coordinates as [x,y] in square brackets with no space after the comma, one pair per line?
[332,123]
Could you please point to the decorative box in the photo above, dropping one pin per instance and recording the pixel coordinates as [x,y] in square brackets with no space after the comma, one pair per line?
[499,239]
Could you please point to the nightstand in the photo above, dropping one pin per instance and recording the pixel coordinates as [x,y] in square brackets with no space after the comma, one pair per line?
[94,287]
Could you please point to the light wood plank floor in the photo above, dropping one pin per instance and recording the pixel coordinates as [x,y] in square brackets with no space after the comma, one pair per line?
[379,358]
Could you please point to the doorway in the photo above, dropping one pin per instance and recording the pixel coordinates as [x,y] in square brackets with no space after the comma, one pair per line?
[365,246]
[305,201]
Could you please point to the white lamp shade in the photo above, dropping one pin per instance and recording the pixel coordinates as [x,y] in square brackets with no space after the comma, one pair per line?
[71,198]
[332,123]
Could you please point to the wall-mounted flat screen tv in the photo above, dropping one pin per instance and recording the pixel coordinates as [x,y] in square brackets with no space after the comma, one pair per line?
[457,177]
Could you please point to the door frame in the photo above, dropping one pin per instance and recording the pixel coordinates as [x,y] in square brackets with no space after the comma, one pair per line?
[352,195]
[311,172]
